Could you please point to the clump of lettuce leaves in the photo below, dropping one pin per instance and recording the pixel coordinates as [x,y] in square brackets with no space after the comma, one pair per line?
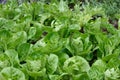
[40,41]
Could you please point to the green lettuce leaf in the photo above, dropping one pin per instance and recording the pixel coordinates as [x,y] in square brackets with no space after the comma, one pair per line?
[11,73]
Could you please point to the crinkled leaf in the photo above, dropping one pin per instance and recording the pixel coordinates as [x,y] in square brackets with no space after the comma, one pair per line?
[76,65]
[11,73]
[52,63]
[17,39]
[97,70]
[13,57]
[112,74]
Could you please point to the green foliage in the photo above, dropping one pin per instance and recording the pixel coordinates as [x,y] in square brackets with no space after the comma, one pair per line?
[112,7]
[40,41]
